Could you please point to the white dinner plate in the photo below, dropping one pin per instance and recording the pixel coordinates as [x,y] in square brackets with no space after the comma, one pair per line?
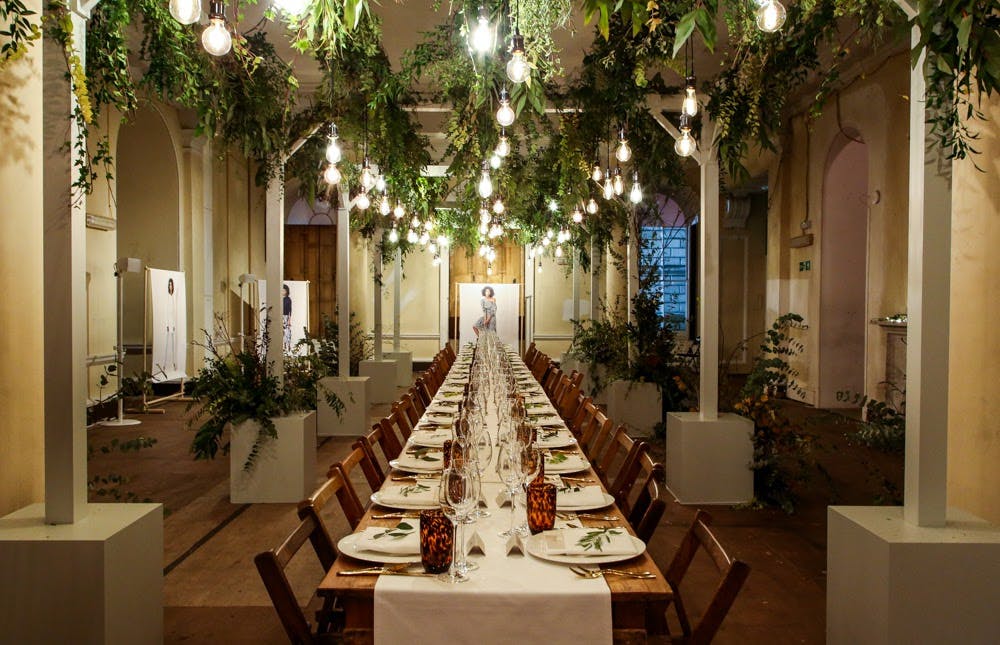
[536,548]
[416,506]
[419,438]
[438,467]
[565,468]
[608,501]
[348,546]
[560,440]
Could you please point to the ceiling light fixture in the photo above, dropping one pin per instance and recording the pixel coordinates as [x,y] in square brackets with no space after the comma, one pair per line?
[216,38]
[771,16]
[185,12]
[505,114]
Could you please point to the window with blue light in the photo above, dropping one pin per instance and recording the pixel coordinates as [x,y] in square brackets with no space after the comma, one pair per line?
[664,259]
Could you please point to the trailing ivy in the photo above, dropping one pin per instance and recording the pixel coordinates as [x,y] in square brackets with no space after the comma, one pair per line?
[17,31]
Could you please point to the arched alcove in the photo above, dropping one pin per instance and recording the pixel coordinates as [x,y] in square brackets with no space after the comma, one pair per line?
[148,209]
[843,275]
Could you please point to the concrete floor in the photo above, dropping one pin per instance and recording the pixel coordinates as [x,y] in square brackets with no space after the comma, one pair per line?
[213,593]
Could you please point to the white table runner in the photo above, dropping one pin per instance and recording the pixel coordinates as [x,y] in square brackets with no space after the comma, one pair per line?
[515,599]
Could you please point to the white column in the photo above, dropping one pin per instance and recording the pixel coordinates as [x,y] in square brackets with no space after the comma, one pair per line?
[444,294]
[529,300]
[576,284]
[928,303]
[65,304]
[377,277]
[595,284]
[708,268]
[208,197]
[397,293]
[343,287]
[274,226]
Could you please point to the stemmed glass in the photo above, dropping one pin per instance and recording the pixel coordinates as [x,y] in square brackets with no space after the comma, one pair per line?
[531,464]
[457,496]
[509,470]
[482,456]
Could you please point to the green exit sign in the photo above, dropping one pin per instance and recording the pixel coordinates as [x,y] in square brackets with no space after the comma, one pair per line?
[805,265]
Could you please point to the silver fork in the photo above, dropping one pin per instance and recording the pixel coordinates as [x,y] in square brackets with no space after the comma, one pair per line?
[584,572]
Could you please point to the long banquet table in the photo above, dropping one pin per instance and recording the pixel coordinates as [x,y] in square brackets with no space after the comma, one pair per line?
[509,598]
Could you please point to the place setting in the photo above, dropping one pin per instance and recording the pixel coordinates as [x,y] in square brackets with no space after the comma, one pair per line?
[419,459]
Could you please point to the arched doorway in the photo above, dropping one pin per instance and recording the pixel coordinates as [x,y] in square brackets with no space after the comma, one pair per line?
[148,212]
[843,278]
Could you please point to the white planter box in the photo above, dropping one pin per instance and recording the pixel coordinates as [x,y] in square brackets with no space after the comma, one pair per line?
[285,469]
[708,461]
[98,580]
[353,420]
[637,405]
[404,367]
[382,387]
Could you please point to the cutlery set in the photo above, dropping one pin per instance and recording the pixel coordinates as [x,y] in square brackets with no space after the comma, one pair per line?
[585,572]
[386,570]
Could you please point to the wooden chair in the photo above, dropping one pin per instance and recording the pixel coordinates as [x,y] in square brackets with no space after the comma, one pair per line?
[576,378]
[400,424]
[642,505]
[271,566]
[338,484]
[601,430]
[734,574]
[542,363]
[386,442]
[569,401]
[423,391]
[529,354]
[408,410]
[583,427]
[580,417]
[449,353]
[551,381]
[617,465]
[559,390]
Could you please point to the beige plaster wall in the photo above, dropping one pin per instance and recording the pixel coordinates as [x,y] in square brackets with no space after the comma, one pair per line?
[974,406]
[874,108]
[741,288]
[554,304]
[21,424]
[420,305]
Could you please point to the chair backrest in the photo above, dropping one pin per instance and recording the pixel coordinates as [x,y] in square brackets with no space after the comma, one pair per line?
[347,496]
[618,464]
[271,566]
[569,401]
[449,351]
[587,426]
[734,574]
[529,354]
[409,410]
[424,392]
[541,364]
[312,506]
[551,381]
[416,401]
[397,418]
[645,508]
[386,443]
[602,427]
[576,378]
[560,389]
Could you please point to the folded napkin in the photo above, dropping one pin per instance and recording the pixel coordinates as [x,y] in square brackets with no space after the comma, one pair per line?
[588,542]
[541,411]
[547,422]
[420,492]
[559,462]
[434,438]
[402,539]
[442,409]
[421,461]
[572,496]
[536,399]
[439,417]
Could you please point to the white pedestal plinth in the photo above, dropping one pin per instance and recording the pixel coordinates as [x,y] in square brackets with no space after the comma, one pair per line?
[708,462]
[353,420]
[99,580]
[382,387]
[285,468]
[637,405]
[892,582]
[404,367]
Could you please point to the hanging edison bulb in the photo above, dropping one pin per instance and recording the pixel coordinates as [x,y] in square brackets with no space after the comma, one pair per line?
[517,66]
[578,214]
[596,174]
[216,38]
[685,146]
[623,152]
[442,241]
[380,183]
[485,183]
[383,206]
[553,206]
[333,151]
[412,237]
[770,16]
[481,35]
[332,175]
[618,184]
[609,188]
[592,206]
[367,176]
[689,105]
[393,234]
[484,216]
[415,223]
[293,8]
[432,248]
[399,211]
[559,252]
[505,114]
[363,201]
[635,195]
[424,238]
[503,145]
[498,206]
[495,161]
[185,12]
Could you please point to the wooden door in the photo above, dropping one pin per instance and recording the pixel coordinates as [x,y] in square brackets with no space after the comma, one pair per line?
[311,254]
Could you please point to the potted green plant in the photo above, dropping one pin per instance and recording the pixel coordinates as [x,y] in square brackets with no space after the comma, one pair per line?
[266,425]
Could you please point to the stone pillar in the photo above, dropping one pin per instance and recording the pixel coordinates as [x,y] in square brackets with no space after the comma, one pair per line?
[274,250]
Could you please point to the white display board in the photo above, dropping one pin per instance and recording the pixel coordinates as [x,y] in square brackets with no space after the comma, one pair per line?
[168,300]
[295,324]
[471,305]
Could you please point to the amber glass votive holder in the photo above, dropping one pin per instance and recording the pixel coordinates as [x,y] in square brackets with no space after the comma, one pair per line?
[541,503]
[453,451]
[437,536]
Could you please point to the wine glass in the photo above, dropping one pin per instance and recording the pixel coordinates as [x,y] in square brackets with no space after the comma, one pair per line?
[508,467]
[482,455]
[531,464]
[456,497]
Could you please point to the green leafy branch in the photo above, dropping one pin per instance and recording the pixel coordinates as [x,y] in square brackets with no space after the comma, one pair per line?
[597,539]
